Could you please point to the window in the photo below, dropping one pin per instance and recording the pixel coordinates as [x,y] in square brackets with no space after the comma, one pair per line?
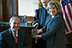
[27,7]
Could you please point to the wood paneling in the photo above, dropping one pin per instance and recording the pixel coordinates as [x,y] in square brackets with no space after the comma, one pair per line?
[28,18]
[4,11]
[7,9]
[1,18]
[69,41]
[16,7]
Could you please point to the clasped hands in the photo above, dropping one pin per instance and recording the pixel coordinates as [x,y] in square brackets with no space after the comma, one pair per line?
[38,36]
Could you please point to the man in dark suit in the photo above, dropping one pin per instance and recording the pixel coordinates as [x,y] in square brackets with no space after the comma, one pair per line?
[14,37]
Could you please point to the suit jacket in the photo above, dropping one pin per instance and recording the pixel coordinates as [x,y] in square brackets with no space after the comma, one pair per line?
[9,42]
[40,17]
[55,32]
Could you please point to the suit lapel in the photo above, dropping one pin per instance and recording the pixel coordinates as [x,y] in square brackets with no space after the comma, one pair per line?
[50,20]
[10,35]
[47,21]
[20,37]
[55,17]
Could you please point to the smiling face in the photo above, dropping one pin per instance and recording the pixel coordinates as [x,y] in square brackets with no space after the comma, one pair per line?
[53,10]
[44,2]
[15,24]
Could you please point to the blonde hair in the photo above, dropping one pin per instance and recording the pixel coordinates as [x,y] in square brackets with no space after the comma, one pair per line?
[57,5]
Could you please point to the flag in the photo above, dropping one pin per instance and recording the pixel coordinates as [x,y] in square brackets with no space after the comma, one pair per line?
[66,6]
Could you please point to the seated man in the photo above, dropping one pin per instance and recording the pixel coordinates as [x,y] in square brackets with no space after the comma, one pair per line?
[14,37]
[22,19]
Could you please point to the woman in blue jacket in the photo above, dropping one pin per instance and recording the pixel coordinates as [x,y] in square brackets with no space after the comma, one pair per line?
[54,29]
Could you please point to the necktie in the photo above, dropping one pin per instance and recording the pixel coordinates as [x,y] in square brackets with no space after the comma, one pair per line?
[15,37]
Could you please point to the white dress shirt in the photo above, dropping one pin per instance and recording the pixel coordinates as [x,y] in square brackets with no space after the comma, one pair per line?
[16,33]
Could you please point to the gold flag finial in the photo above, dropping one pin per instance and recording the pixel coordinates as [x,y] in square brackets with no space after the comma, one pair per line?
[40,4]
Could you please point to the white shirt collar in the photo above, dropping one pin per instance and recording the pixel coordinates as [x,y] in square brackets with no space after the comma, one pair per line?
[16,33]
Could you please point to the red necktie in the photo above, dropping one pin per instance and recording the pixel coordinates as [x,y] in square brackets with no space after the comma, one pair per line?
[15,37]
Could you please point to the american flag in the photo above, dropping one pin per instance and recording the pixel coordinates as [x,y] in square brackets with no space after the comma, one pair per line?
[66,6]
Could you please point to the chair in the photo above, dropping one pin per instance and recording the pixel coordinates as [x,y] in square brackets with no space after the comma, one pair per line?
[22,19]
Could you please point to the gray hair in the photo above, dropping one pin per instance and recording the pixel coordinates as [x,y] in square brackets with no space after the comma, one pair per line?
[12,18]
[57,5]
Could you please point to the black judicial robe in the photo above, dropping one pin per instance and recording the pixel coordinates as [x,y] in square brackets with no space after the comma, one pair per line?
[40,17]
